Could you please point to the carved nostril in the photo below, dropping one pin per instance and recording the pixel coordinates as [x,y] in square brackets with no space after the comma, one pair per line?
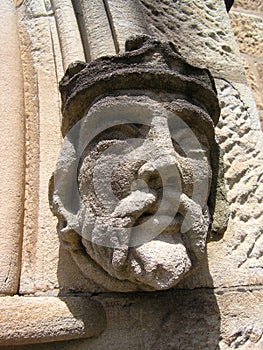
[150,176]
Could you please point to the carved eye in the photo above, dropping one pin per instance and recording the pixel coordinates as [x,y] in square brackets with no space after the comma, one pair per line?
[104,164]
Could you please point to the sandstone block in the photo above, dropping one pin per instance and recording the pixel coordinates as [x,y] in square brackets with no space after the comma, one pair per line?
[127,20]
[259,66]
[26,320]
[200,30]
[254,75]
[197,319]
[248,31]
[255,5]
[43,128]
[68,31]
[93,17]
[12,146]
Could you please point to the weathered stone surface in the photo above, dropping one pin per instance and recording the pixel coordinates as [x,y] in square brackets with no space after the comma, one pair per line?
[12,142]
[39,267]
[147,64]
[95,28]
[248,30]
[133,203]
[259,66]
[136,236]
[255,5]
[247,23]
[126,19]
[241,319]
[197,319]
[25,320]
[36,279]
[255,79]
[237,259]
[69,35]
[259,70]
[200,30]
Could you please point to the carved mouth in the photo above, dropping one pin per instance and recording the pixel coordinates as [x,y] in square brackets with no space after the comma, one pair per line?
[145,216]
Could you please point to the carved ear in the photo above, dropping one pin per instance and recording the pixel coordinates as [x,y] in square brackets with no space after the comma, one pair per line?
[218,204]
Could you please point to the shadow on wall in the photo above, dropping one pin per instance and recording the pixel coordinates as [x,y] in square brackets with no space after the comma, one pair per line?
[168,320]
[174,319]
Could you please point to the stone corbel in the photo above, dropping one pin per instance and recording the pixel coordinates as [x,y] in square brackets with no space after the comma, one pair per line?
[149,80]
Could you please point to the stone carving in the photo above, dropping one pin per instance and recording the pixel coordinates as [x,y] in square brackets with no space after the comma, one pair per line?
[136,182]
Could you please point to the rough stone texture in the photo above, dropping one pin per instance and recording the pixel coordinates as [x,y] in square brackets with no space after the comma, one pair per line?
[38,280]
[152,254]
[255,5]
[247,23]
[236,259]
[12,167]
[244,331]
[241,140]
[147,64]
[26,320]
[198,319]
[159,260]
[234,262]
[255,80]
[248,30]
[212,45]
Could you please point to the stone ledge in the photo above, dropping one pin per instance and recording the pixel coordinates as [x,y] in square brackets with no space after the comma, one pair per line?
[25,320]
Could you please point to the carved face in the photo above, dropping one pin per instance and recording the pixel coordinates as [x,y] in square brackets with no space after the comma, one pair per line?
[144,181]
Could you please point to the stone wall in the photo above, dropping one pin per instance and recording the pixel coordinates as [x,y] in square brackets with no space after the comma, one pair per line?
[46,301]
[247,23]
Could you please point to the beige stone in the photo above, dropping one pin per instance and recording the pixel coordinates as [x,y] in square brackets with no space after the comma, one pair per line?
[259,67]
[197,319]
[225,312]
[39,268]
[26,320]
[255,5]
[242,142]
[44,263]
[254,77]
[60,63]
[200,30]
[32,154]
[126,19]
[12,149]
[237,258]
[18,2]
[95,29]
[69,35]
[136,240]
[248,30]
[242,321]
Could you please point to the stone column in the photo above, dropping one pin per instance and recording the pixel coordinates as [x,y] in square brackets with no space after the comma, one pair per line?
[68,32]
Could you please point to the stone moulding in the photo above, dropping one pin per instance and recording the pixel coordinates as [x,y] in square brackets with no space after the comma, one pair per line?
[27,320]
[149,79]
